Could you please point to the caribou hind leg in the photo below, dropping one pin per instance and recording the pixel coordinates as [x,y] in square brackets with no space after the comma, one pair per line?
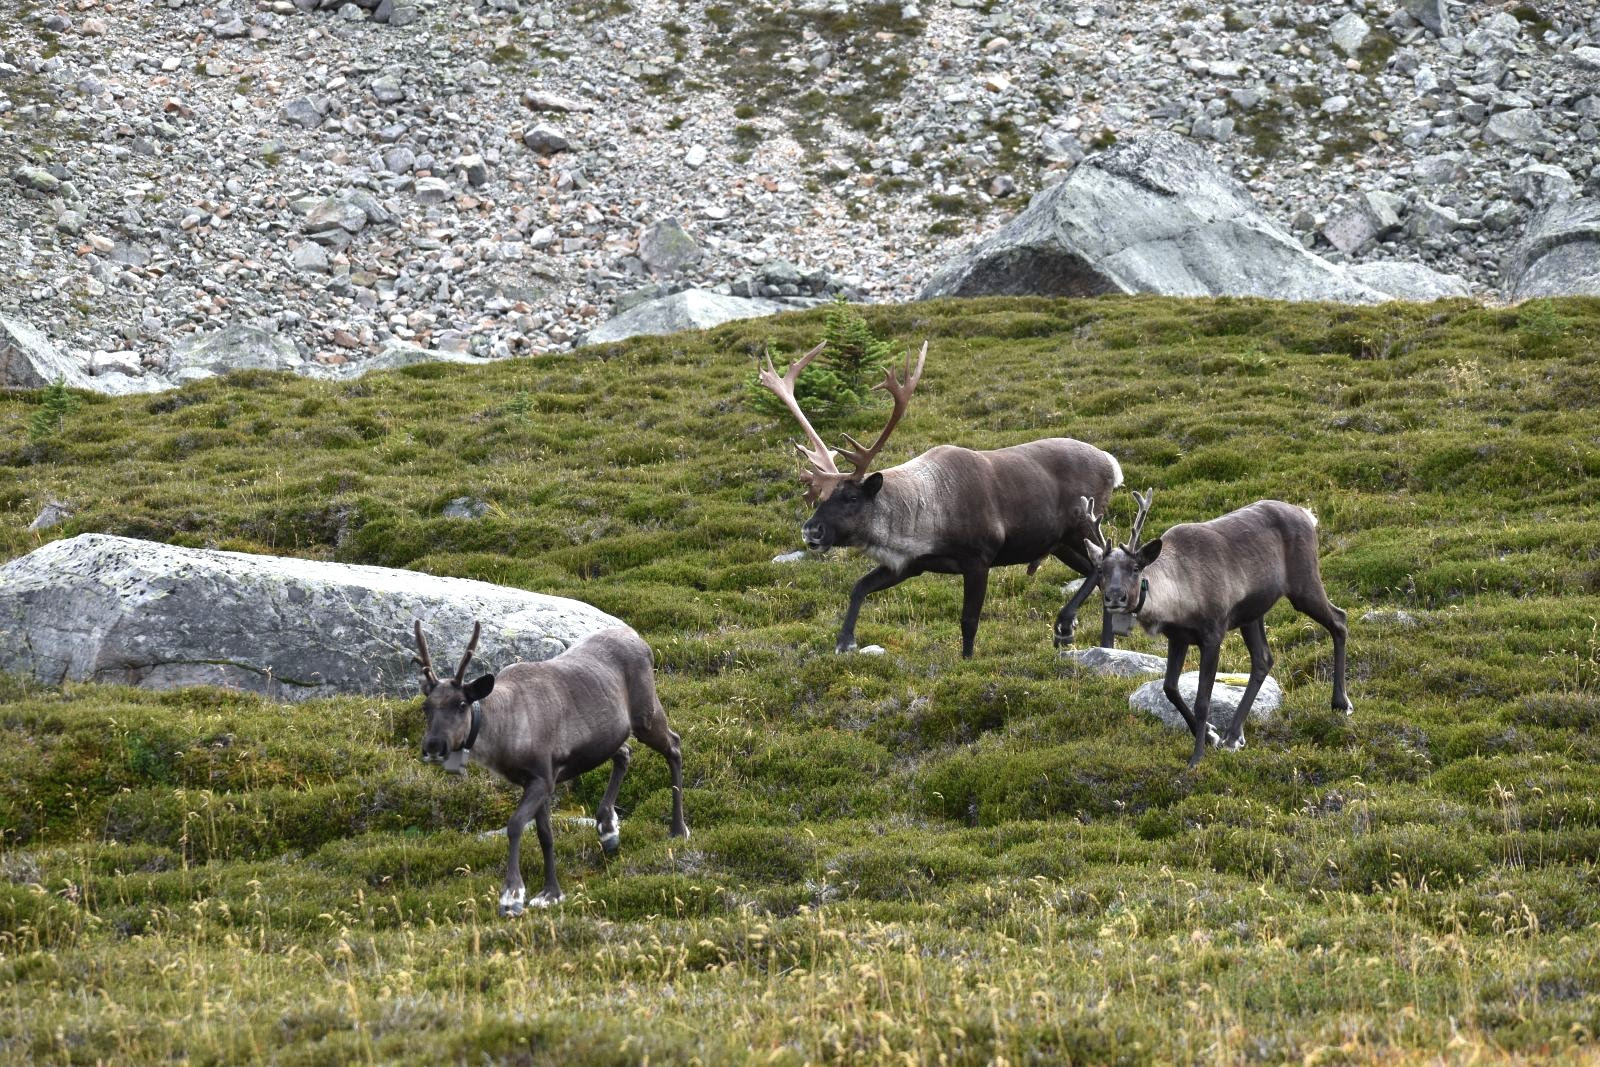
[1315,605]
[1254,633]
[656,734]
[605,816]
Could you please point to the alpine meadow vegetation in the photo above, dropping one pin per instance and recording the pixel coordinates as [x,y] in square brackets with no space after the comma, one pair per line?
[905,858]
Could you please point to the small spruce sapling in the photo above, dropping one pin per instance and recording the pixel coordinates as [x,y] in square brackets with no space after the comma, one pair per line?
[55,404]
[841,380]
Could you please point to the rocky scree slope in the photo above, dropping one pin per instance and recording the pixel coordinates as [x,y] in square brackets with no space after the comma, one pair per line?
[345,180]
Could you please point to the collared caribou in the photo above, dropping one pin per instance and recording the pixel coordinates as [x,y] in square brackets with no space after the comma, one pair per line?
[950,510]
[536,724]
[1200,580]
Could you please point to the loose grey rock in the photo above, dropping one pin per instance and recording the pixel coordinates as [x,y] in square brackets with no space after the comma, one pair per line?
[37,178]
[387,89]
[115,609]
[546,140]
[1431,13]
[465,507]
[54,513]
[1560,254]
[305,111]
[1116,662]
[692,309]
[309,258]
[799,555]
[666,248]
[431,190]
[1521,127]
[537,100]
[1152,215]
[1541,184]
[1224,701]
[1349,33]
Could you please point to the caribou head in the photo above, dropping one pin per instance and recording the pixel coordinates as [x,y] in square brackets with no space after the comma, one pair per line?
[450,704]
[1117,569]
[843,501]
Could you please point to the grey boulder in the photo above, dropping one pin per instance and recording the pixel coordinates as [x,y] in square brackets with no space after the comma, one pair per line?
[1151,215]
[97,608]
[29,361]
[1224,701]
[1560,253]
[692,309]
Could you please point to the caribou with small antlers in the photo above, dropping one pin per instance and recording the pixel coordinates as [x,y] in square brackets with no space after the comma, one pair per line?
[950,510]
[1200,580]
[536,724]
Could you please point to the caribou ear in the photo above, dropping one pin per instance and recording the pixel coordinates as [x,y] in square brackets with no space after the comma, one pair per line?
[870,487]
[479,688]
[1095,552]
[1149,551]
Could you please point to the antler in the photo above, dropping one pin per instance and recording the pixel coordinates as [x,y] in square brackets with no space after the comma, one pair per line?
[461,671]
[825,475]
[1138,520]
[1098,534]
[901,390]
[422,656]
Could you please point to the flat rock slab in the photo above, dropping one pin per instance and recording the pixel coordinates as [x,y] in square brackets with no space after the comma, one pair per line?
[1224,701]
[1116,662]
[692,309]
[116,609]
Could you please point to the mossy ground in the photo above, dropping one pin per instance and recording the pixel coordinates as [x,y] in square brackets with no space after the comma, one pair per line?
[905,858]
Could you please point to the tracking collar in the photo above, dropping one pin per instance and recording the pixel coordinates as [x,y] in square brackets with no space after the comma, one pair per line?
[456,762]
[1144,591]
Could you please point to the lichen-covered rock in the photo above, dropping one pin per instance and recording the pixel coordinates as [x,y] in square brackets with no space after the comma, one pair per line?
[115,609]
[1152,215]
[1409,281]
[1116,662]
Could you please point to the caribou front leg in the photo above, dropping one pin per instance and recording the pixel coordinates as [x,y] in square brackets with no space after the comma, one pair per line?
[974,589]
[514,895]
[880,577]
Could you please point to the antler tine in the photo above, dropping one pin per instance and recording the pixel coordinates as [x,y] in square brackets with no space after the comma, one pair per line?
[819,455]
[422,652]
[1138,519]
[901,390]
[461,671]
[1098,534]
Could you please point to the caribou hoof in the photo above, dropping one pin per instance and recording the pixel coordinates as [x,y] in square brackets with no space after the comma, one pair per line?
[610,837]
[1233,744]
[547,899]
[1349,709]
[841,649]
[1213,738]
[512,901]
[681,832]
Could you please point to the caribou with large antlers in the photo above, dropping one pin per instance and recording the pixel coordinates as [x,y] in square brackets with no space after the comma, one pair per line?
[1200,580]
[950,510]
[536,724]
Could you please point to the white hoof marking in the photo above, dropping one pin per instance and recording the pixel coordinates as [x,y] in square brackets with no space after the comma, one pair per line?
[546,900]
